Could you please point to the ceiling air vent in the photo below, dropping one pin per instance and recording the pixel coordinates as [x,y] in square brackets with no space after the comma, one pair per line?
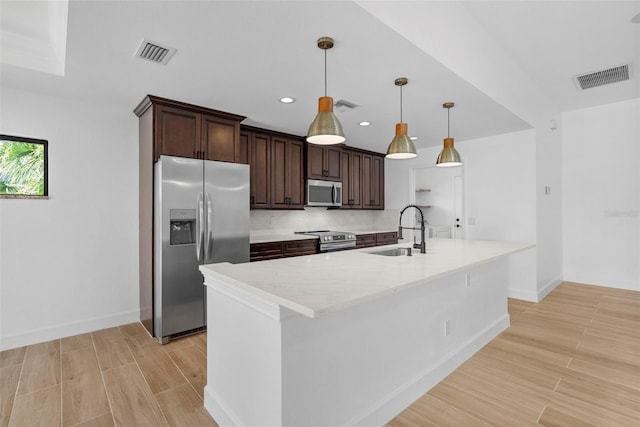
[154,52]
[342,105]
[603,77]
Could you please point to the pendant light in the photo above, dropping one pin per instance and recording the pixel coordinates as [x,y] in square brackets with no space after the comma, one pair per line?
[401,146]
[449,156]
[325,128]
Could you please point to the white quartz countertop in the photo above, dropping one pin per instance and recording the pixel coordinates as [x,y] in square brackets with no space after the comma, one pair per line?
[315,284]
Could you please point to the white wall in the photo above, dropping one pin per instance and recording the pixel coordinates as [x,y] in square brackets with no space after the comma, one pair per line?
[70,263]
[500,196]
[549,207]
[601,182]
[448,32]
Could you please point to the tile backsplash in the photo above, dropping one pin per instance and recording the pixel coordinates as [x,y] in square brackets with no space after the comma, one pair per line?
[311,218]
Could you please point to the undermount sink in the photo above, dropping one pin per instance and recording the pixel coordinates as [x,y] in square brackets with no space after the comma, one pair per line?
[392,252]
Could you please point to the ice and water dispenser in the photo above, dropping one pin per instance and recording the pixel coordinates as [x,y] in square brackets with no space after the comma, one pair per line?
[182,226]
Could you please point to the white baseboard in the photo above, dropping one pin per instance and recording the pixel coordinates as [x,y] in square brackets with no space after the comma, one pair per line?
[594,280]
[531,296]
[63,330]
[394,403]
[547,289]
[218,410]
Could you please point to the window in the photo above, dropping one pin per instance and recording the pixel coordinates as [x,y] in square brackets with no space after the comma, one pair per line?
[23,167]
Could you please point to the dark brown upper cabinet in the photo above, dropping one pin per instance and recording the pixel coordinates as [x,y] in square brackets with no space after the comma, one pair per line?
[362,179]
[259,170]
[351,179]
[324,162]
[372,181]
[287,173]
[276,167]
[187,130]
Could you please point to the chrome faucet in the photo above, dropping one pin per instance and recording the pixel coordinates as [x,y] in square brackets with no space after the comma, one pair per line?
[422,244]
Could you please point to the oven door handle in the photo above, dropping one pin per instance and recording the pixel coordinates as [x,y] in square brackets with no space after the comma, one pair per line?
[338,246]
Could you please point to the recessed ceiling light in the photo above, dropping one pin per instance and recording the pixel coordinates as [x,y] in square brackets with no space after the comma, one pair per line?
[413,138]
[364,123]
[287,100]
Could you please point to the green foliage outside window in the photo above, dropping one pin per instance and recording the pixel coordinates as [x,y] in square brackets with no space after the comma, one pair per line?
[23,166]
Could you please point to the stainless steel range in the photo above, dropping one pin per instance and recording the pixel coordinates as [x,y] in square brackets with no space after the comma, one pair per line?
[333,240]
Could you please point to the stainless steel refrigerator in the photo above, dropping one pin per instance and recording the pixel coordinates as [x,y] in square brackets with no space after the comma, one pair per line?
[201,216]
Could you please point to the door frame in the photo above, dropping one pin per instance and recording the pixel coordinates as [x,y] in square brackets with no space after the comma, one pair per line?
[463,200]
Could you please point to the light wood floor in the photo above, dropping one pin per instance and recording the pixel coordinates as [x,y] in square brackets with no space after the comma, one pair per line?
[117,376]
[571,360]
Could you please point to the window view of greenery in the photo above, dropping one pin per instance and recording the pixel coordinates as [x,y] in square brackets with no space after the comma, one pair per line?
[23,166]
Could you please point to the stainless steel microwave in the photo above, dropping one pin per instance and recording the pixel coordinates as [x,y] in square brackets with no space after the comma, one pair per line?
[323,193]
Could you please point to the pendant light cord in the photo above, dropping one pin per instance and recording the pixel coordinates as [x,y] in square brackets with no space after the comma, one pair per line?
[325,72]
[448,111]
[400,104]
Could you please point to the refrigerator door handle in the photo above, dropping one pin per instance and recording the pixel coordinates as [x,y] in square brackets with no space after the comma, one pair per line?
[199,228]
[208,243]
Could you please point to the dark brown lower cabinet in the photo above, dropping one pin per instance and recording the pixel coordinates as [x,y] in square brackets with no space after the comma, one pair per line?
[265,251]
[365,240]
[289,248]
[376,239]
[300,247]
[390,238]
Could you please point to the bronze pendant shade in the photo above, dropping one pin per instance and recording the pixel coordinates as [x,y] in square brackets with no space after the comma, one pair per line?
[325,128]
[449,156]
[401,146]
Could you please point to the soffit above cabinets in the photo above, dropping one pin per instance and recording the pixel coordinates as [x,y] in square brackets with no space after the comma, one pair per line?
[242,57]
[34,34]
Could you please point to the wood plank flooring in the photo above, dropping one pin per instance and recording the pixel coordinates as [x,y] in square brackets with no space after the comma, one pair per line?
[118,376]
[571,360]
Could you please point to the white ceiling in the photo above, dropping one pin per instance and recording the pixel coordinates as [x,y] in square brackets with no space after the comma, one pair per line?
[243,56]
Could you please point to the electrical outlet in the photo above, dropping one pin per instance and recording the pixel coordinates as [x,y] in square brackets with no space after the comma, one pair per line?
[447,328]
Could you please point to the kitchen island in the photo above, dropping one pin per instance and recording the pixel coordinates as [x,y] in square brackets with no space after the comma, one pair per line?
[349,337]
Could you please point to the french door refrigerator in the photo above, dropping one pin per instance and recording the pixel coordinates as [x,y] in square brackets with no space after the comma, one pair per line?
[201,216]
